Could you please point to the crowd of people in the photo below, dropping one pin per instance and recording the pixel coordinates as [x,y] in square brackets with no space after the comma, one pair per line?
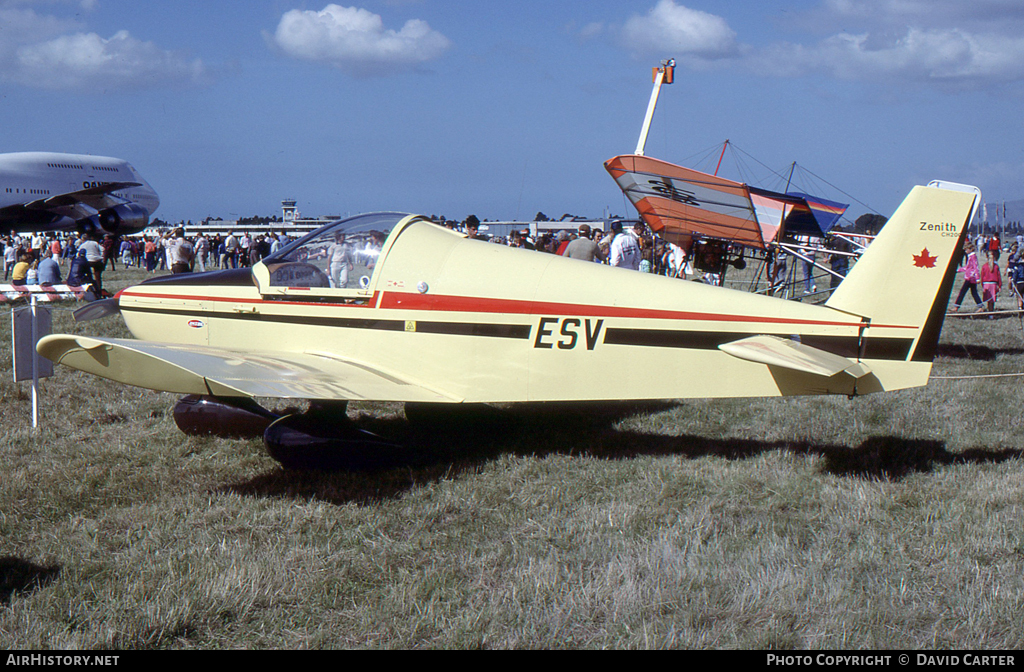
[44,258]
[40,259]
[34,259]
[637,249]
[631,247]
[986,276]
[80,259]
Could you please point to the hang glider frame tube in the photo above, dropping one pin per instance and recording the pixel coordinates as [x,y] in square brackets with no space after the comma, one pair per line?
[663,75]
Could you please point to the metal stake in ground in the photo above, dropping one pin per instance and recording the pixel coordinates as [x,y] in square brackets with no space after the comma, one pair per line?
[29,324]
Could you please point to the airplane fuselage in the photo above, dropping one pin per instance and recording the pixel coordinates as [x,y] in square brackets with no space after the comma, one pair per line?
[478,322]
[476,349]
[424,314]
[32,184]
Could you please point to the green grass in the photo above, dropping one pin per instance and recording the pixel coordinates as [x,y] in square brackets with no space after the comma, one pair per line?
[887,521]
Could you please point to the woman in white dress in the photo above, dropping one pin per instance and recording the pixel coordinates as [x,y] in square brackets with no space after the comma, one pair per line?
[339,258]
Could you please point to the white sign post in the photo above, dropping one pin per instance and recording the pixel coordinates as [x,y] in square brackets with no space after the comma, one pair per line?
[29,325]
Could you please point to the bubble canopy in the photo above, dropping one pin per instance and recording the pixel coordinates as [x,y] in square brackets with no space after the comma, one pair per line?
[340,255]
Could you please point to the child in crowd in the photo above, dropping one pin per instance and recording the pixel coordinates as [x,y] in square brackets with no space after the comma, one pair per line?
[991,281]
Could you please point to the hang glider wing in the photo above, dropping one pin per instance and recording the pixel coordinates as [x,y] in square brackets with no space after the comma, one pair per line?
[788,354]
[679,202]
[813,215]
[222,372]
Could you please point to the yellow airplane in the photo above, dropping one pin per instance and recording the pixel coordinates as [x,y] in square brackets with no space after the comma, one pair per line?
[391,307]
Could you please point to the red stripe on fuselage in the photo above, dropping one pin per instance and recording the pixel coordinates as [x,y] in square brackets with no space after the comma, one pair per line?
[473,304]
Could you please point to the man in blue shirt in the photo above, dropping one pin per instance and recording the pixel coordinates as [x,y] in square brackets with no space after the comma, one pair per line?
[49,270]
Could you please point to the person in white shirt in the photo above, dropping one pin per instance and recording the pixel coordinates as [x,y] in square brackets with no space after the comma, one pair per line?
[37,245]
[10,258]
[243,249]
[93,260]
[339,257]
[202,249]
[625,249]
[231,250]
[180,253]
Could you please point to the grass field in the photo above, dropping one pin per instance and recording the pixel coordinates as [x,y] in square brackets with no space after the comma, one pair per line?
[888,521]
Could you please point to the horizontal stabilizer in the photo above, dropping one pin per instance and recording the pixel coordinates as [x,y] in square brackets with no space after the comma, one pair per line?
[775,351]
[191,369]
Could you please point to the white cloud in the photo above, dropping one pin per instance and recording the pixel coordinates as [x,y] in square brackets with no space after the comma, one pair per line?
[87,60]
[922,13]
[948,57]
[22,26]
[355,40]
[677,31]
[947,44]
[43,51]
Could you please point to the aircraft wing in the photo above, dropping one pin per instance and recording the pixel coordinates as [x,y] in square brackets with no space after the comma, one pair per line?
[98,198]
[788,354]
[188,369]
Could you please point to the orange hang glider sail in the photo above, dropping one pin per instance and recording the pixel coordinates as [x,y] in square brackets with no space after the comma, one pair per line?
[678,203]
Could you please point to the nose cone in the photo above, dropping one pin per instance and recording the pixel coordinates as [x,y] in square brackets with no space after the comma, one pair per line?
[145,195]
[154,199]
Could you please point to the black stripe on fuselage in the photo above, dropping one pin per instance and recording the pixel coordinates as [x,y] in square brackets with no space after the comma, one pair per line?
[516,331]
[844,346]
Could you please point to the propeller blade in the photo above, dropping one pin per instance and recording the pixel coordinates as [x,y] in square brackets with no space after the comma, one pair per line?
[97,310]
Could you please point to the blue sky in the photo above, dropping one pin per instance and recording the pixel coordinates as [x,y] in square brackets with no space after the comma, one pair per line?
[504,109]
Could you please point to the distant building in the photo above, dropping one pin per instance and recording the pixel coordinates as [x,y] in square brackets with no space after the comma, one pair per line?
[292,223]
[505,229]
[295,225]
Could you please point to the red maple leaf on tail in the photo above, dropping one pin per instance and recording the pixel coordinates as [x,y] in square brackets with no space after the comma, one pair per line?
[924,260]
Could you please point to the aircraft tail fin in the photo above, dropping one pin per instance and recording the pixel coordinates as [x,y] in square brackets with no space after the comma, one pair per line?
[905,277]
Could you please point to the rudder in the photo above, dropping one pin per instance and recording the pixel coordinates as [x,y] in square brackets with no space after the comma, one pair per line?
[905,277]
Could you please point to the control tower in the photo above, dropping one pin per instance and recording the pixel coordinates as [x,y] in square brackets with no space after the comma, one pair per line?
[289,212]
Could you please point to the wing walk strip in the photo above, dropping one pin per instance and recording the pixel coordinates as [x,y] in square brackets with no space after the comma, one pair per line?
[897,349]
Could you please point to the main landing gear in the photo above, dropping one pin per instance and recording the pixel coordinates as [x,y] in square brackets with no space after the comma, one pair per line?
[321,438]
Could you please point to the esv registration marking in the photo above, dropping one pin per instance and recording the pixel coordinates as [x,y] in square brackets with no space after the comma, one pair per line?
[568,334]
